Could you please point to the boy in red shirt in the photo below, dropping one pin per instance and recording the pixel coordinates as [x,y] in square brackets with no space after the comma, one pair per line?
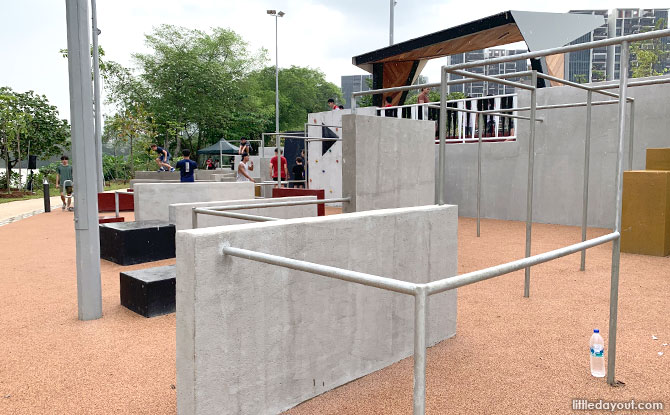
[273,167]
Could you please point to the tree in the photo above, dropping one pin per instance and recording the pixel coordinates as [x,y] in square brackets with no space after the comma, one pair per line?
[647,56]
[302,90]
[134,126]
[28,121]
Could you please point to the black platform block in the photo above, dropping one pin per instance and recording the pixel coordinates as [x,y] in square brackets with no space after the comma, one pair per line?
[149,292]
[127,243]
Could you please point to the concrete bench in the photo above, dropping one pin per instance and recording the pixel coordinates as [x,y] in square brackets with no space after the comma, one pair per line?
[127,243]
[149,292]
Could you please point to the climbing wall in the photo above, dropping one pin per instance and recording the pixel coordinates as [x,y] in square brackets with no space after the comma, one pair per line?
[324,159]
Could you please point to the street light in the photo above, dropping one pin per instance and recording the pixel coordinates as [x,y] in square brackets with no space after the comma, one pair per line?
[276,15]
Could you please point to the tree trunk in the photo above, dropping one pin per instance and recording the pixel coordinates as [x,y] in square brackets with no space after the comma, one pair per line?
[132,160]
[178,137]
[9,168]
[18,146]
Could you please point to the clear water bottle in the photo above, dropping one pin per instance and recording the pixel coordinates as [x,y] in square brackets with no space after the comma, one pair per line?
[597,346]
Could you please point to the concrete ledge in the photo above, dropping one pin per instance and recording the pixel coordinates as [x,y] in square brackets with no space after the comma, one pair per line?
[181,213]
[258,339]
[153,199]
[658,159]
[319,193]
[158,175]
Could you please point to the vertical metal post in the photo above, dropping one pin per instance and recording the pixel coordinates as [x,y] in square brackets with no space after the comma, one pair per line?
[420,351]
[529,189]
[352,104]
[616,244]
[392,6]
[479,170]
[276,73]
[96,98]
[194,219]
[439,183]
[632,135]
[279,170]
[587,157]
[116,203]
[89,292]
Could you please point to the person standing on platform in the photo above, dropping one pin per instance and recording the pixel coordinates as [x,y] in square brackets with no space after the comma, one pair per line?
[332,105]
[186,166]
[64,173]
[163,158]
[244,147]
[244,168]
[273,167]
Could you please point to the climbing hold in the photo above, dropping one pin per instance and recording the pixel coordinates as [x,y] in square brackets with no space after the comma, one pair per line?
[316,161]
[331,191]
[323,171]
[337,129]
[330,151]
[337,161]
[314,121]
[310,180]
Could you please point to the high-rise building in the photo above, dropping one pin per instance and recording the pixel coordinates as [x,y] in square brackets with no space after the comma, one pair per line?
[353,83]
[603,63]
[482,88]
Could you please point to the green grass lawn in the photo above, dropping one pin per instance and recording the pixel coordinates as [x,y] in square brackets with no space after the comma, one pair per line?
[53,191]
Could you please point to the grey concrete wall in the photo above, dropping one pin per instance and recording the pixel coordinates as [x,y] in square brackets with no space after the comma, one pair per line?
[180,213]
[257,339]
[133,182]
[387,162]
[157,175]
[230,177]
[152,200]
[559,160]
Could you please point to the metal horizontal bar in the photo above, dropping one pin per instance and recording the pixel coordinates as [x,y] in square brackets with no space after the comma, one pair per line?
[564,49]
[578,85]
[255,218]
[370,280]
[282,133]
[124,192]
[273,204]
[321,125]
[323,139]
[491,79]
[490,112]
[498,270]
[553,106]
[634,83]
[303,137]
[275,183]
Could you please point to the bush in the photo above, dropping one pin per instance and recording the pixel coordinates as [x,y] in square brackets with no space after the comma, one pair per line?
[14,182]
[48,171]
[115,168]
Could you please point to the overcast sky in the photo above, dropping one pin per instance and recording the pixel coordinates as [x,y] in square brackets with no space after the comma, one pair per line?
[322,34]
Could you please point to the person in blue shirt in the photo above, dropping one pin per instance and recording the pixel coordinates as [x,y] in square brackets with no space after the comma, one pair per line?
[187,166]
[163,158]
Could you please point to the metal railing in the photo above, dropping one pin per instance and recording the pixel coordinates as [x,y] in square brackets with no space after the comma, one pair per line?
[224,211]
[116,199]
[420,291]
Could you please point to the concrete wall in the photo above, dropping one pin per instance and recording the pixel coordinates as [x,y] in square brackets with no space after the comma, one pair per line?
[180,213]
[559,160]
[158,175]
[153,199]
[257,339]
[133,182]
[387,162]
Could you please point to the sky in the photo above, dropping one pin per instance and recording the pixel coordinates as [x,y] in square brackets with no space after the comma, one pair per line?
[323,34]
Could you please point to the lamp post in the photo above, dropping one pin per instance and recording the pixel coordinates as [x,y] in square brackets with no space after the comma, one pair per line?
[392,7]
[276,15]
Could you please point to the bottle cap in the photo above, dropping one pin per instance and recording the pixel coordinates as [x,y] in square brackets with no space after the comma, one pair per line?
[596,331]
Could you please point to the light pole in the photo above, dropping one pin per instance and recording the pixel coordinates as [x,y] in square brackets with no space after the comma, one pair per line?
[392,7]
[276,15]
[96,98]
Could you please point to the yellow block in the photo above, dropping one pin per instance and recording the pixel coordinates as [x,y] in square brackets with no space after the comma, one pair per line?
[645,220]
[658,159]
[257,191]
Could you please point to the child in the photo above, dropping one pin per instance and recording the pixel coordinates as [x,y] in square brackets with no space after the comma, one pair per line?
[163,159]
[63,175]
[298,173]
[186,166]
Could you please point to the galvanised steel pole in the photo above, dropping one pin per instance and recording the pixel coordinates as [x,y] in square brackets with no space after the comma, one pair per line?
[479,170]
[587,157]
[632,135]
[96,98]
[89,291]
[277,74]
[616,244]
[392,7]
[420,350]
[439,193]
[529,188]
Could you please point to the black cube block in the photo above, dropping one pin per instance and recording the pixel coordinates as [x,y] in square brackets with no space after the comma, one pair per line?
[127,243]
[149,292]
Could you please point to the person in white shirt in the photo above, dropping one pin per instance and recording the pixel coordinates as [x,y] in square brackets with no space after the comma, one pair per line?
[243,169]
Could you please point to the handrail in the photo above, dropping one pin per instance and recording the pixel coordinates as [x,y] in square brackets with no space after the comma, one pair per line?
[116,200]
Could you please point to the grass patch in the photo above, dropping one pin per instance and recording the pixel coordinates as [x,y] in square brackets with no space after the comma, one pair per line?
[16,195]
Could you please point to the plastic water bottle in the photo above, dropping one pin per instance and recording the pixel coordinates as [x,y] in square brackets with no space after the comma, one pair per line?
[597,346]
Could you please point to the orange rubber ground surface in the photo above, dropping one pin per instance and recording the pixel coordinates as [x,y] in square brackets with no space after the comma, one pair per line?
[510,356]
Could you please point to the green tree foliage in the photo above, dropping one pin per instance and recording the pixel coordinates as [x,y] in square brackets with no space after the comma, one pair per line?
[301,91]
[647,56]
[28,120]
[136,127]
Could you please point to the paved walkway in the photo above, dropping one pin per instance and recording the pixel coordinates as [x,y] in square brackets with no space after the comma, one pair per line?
[21,209]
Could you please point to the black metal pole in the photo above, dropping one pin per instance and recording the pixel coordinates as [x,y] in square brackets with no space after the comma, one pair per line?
[47,199]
